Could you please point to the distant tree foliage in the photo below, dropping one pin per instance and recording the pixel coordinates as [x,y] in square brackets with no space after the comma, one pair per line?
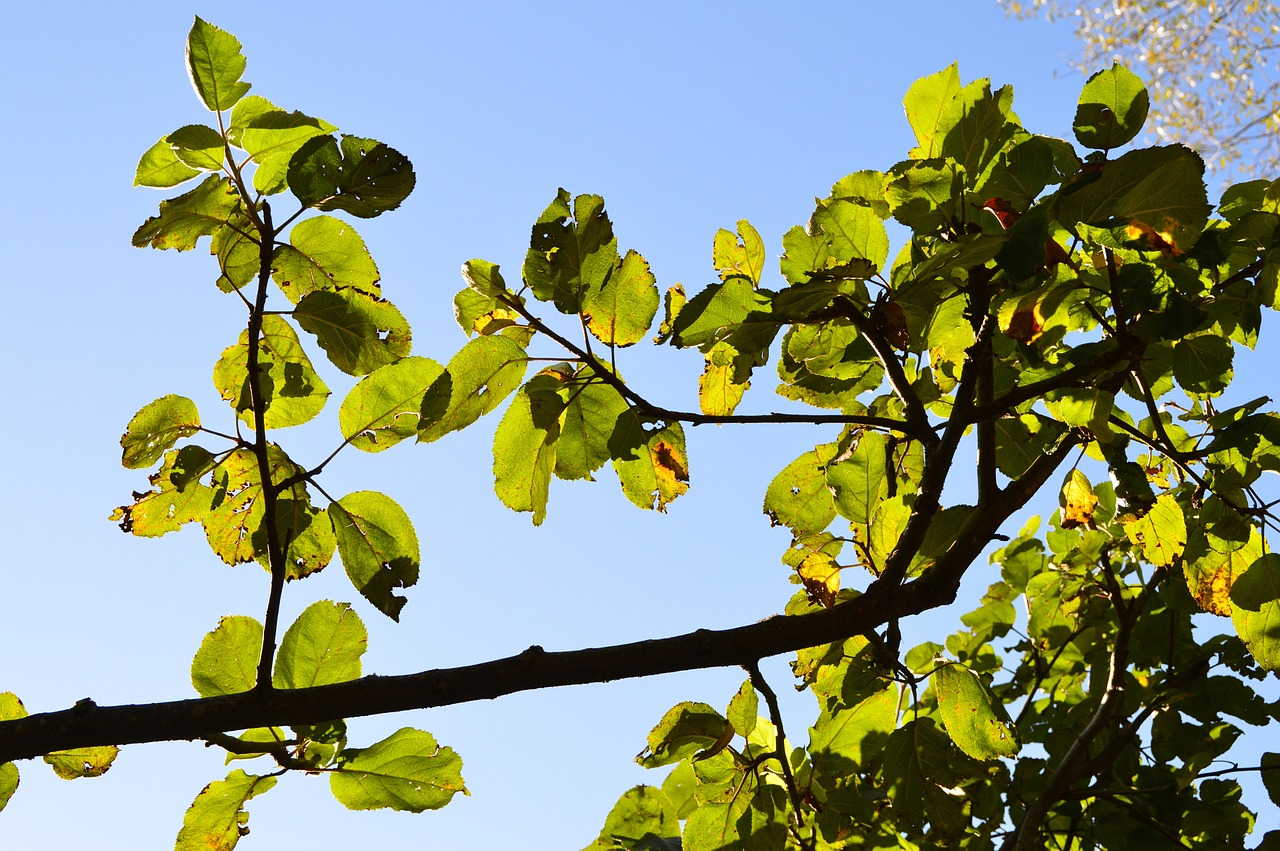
[1211,68]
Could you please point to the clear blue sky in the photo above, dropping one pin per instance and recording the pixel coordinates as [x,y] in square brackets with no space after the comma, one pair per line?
[685,116]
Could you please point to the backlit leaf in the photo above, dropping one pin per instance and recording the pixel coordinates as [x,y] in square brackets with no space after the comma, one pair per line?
[743,709]
[156,428]
[198,146]
[385,406]
[571,252]
[845,739]
[1202,365]
[217,818]
[525,443]
[740,254]
[859,481]
[8,782]
[1113,107]
[178,496]
[1078,501]
[82,762]
[477,379]
[591,411]
[364,177]
[186,218]
[272,136]
[323,646]
[406,771]
[227,661]
[324,253]
[644,817]
[1211,576]
[799,496]
[926,102]
[1160,188]
[975,720]
[293,392]
[918,777]
[215,63]
[160,167]
[1161,533]
[358,331]
[1255,609]
[620,310]
[652,466]
[684,731]
[378,546]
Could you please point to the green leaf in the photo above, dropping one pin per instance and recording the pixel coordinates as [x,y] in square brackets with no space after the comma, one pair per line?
[590,414]
[406,771]
[178,496]
[217,819]
[855,231]
[684,731]
[620,310]
[1202,365]
[478,378]
[652,466]
[160,167]
[743,709]
[844,740]
[82,762]
[718,311]
[643,818]
[1255,610]
[215,63]
[1160,190]
[977,125]
[739,255]
[8,783]
[571,254]
[524,445]
[323,646]
[859,481]
[156,428]
[799,496]
[272,136]
[198,146]
[378,547]
[1113,107]
[926,103]
[357,331]
[919,779]
[975,720]
[239,256]
[324,253]
[365,178]
[385,406]
[186,218]
[293,392]
[227,661]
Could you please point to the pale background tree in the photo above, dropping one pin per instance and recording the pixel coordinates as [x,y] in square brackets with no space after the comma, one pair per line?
[1212,68]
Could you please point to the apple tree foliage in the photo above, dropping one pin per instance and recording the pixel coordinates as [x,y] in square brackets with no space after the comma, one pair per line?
[1063,317]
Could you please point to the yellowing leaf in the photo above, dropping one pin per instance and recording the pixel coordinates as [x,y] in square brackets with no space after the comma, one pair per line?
[1161,533]
[821,577]
[1078,501]
[216,819]
[82,762]
[1210,577]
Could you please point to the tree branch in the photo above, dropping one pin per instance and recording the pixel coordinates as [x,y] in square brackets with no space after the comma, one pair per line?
[644,406]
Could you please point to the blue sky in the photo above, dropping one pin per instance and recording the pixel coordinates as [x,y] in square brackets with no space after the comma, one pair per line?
[685,117]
